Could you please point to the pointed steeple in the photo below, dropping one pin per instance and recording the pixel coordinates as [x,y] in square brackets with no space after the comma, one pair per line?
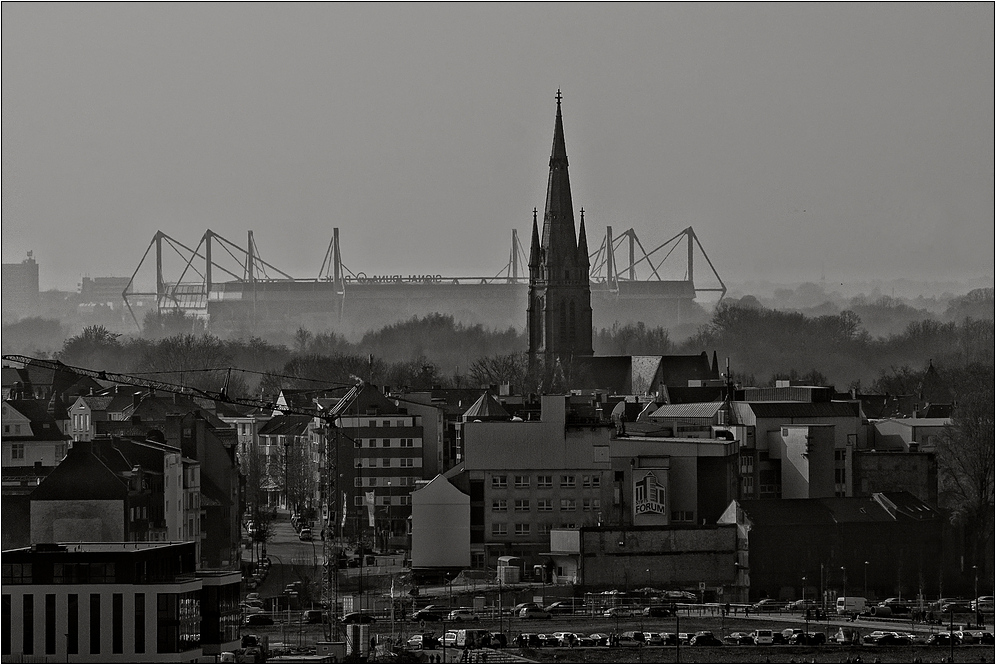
[583,248]
[534,246]
[558,215]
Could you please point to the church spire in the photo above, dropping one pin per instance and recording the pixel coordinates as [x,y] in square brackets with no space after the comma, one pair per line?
[583,261]
[558,215]
[534,247]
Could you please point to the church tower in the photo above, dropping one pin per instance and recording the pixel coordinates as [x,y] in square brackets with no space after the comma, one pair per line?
[559,309]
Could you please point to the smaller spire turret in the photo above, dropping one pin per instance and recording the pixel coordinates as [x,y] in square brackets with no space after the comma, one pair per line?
[583,260]
[534,246]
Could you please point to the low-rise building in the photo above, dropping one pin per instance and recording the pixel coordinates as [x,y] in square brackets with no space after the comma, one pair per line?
[121,602]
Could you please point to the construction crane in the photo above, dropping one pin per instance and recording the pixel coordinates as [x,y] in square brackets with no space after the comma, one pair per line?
[329,430]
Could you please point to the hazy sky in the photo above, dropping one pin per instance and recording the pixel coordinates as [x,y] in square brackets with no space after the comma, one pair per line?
[853,138]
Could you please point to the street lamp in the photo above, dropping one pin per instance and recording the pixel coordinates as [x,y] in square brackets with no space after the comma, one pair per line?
[978,610]
[866,579]
[844,587]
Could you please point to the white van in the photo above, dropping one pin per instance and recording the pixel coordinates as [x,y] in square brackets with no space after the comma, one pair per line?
[764,636]
[852,605]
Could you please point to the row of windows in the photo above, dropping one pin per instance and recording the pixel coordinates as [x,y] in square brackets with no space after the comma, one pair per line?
[346,423]
[387,443]
[403,500]
[388,462]
[396,481]
[546,481]
[544,505]
[524,529]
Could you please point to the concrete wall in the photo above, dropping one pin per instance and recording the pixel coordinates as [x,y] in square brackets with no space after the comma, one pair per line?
[891,471]
[440,526]
[665,557]
[76,521]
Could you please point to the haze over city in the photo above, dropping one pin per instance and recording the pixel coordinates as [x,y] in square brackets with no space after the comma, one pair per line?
[852,141]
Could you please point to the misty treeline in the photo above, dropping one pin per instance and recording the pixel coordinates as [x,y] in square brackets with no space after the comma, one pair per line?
[762,345]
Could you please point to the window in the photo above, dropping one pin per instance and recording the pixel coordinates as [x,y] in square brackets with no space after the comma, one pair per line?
[17,451]
[407,462]
[28,623]
[568,504]
[139,623]
[522,529]
[840,455]
[358,443]
[386,423]
[499,482]
[522,505]
[591,481]
[567,481]
[543,529]
[387,443]
[385,461]
[372,423]
[358,501]
[544,505]
[73,623]
[94,623]
[544,482]
[592,504]
[499,505]
[682,516]
[499,529]
[117,623]
[839,476]
[407,443]
[522,481]
[49,623]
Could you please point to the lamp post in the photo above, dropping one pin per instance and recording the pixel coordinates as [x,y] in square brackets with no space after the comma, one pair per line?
[978,611]
[866,579]
[844,587]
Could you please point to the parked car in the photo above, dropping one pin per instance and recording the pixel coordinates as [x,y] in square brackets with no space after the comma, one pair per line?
[358,617]
[259,620]
[566,639]
[312,616]
[430,613]
[885,638]
[658,611]
[533,613]
[764,636]
[983,604]
[956,607]
[521,606]
[739,638]
[253,596]
[251,609]
[594,640]
[305,534]
[847,636]
[423,641]
[801,605]
[528,640]
[632,638]
[655,639]
[941,639]
[618,612]
[449,638]
[561,607]
[809,639]
[463,614]
[705,638]
[768,605]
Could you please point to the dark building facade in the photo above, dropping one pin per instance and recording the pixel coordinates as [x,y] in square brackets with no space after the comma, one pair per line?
[559,308]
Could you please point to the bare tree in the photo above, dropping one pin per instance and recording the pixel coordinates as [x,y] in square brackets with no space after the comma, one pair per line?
[965,461]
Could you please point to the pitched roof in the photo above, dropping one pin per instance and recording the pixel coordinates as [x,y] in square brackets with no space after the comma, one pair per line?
[884,507]
[486,408]
[43,425]
[286,426]
[700,410]
[800,409]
